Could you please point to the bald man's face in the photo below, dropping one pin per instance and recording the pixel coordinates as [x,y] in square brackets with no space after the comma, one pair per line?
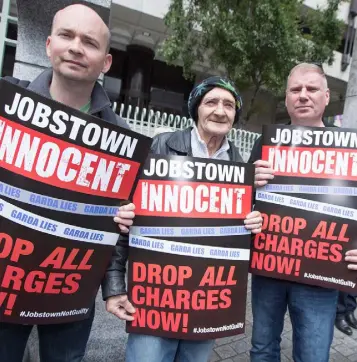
[77,46]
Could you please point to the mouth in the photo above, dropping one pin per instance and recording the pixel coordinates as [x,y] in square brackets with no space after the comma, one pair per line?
[79,64]
[219,122]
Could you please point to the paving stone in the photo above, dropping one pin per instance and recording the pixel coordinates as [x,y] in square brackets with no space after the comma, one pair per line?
[241,346]
[242,358]
[353,357]
[225,351]
[214,357]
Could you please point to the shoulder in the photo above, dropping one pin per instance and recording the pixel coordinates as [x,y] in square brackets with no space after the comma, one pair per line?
[121,122]
[175,143]
[19,82]
[159,142]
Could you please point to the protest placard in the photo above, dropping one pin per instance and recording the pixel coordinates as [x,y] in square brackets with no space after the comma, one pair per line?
[310,208]
[189,249]
[63,174]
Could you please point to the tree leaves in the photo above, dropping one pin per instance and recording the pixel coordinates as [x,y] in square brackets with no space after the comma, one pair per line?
[257,42]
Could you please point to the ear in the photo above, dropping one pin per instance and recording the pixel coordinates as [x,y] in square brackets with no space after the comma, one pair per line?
[327,96]
[107,63]
[48,48]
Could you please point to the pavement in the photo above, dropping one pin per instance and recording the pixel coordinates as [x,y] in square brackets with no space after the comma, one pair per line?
[108,338]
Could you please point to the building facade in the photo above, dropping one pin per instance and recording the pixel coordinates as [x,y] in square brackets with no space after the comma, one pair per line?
[140,77]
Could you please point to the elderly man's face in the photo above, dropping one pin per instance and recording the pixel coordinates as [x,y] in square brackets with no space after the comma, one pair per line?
[77,47]
[216,112]
[306,96]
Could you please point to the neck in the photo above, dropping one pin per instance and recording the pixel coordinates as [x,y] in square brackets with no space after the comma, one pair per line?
[302,122]
[213,142]
[71,93]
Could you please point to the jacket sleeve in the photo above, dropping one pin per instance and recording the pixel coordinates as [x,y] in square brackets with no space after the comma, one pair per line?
[113,282]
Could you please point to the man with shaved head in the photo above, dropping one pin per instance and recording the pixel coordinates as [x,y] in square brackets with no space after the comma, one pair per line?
[78,51]
[312,309]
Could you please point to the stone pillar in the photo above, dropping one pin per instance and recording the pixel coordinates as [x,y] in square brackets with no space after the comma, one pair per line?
[349,111]
[34,25]
[138,75]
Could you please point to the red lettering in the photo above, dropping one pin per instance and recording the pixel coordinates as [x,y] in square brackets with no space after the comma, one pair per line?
[135,294]
[198,300]
[167,299]
[153,319]
[34,282]
[139,272]
[55,259]
[336,251]
[257,260]
[286,224]
[259,241]
[212,299]
[54,280]
[72,283]
[183,299]
[68,264]
[329,232]
[83,264]
[22,247]
[13,277]
[6,243]
[270,263]
[155,274]
[226,300]
[167,321]
[170,321]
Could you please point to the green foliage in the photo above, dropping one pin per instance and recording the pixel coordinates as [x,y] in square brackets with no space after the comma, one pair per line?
[256,42]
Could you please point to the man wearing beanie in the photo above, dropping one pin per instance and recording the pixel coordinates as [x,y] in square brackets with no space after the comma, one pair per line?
[215,106]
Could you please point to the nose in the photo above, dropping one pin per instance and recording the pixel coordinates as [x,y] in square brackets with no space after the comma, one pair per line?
[220,109]
[303,94]
[76,46]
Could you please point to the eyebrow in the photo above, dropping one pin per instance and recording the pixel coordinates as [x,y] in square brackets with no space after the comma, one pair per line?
[85,36]
[216,98]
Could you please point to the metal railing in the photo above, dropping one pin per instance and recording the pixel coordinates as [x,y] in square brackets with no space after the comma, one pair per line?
[148,122]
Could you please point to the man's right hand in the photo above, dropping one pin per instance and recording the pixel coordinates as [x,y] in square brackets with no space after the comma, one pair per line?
[120,306]
[263,173]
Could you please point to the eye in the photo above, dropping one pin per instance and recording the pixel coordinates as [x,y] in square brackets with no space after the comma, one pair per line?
[229,105]
[210,102]
[64,35]
[90,43]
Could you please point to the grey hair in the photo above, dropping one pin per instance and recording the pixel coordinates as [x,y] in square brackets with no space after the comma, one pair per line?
[310,67]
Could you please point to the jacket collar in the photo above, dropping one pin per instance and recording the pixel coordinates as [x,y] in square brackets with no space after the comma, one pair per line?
[180,142]
[41,85]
